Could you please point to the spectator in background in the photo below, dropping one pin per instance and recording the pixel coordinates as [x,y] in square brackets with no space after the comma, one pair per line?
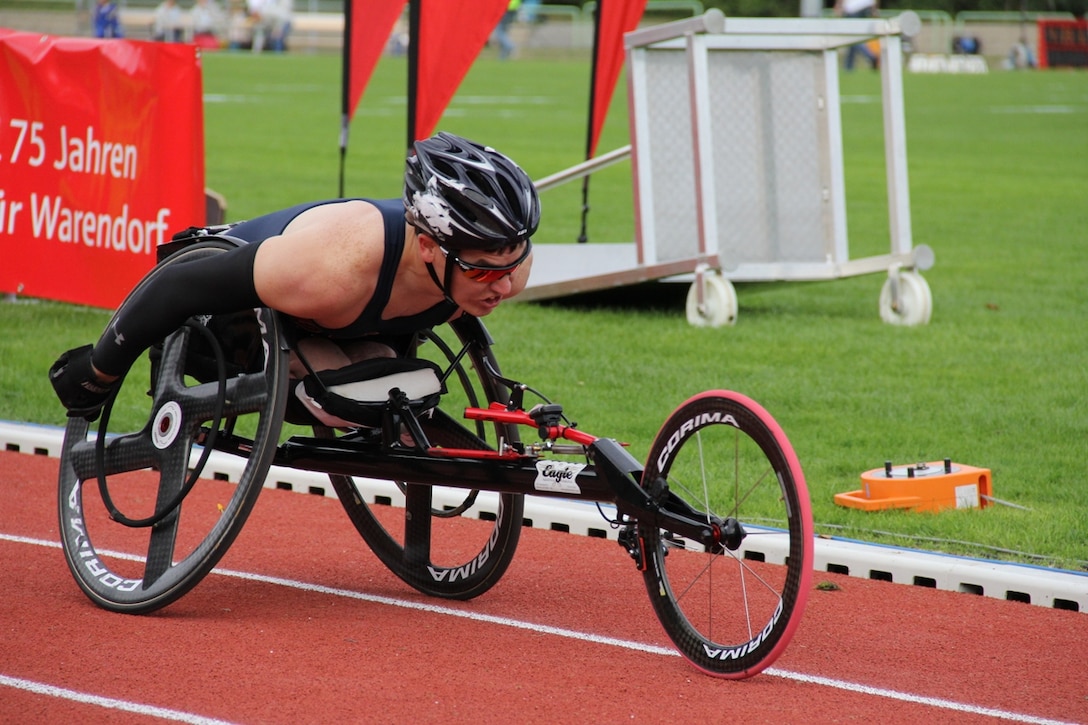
[502,32]
[107,20]
[208,21]
[857,9]
[271,23]
[239,26]
[528,11]
[169,22]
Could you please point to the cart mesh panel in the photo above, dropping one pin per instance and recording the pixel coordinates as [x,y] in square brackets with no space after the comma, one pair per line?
[768,163]
[672,167]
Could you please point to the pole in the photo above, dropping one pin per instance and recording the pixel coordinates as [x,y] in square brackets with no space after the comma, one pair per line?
[583,236]
[414,12]
[345,93]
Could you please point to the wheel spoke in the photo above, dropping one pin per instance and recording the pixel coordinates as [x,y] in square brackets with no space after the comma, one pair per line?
[160,552]
[417,525]
[132,452]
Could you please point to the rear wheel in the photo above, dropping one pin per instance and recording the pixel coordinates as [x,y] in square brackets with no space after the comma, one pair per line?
[731,613]
[432,543]
[179,524]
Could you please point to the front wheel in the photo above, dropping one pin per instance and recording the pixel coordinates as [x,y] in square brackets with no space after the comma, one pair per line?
[730,612]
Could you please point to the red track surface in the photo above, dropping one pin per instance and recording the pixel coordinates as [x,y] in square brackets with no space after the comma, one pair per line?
[301,623]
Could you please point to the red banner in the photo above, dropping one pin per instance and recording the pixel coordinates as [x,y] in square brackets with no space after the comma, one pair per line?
[101,159]
[1063,43]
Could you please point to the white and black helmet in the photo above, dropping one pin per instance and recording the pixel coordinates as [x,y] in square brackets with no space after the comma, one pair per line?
[468,196]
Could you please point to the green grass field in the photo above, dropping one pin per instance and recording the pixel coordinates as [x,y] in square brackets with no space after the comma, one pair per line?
[999,189]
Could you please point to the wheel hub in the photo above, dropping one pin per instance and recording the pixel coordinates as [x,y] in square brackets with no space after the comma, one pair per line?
[730,534]
[167,423]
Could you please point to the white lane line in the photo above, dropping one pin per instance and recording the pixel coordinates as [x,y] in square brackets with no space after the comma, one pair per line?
[109,703]
[583,636]
[449,612]
[917,699]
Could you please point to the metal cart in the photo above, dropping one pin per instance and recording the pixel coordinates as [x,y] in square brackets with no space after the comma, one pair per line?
[737,162]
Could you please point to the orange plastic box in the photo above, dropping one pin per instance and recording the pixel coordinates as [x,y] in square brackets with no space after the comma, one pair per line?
[932,486]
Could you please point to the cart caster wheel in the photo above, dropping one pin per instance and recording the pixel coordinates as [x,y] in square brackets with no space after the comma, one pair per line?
[719,302]
[906,299]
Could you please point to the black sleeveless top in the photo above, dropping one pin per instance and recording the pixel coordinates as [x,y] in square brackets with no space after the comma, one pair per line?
[370,322]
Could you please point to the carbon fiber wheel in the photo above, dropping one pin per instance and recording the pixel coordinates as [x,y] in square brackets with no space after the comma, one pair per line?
[178,524]
[413,541]
[731,608]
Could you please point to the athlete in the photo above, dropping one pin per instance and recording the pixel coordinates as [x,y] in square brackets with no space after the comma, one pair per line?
[358,276]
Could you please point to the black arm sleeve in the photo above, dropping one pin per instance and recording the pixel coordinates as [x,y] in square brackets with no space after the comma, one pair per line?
[212,285]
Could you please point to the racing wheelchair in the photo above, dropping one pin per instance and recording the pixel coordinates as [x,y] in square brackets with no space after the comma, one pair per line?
[717,521]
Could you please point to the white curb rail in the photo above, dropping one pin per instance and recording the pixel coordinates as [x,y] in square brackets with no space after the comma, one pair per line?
[1041,586]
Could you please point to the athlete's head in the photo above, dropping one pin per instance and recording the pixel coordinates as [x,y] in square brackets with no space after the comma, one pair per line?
[467,196]
[470,202]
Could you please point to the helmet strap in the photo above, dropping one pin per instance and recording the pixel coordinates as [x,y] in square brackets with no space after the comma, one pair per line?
[443,288]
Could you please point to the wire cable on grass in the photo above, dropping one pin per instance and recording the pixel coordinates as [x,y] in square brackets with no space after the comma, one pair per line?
[1054,561]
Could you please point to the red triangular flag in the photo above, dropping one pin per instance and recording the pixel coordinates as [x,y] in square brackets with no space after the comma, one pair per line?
[451,35]
[371,22]
[616,18]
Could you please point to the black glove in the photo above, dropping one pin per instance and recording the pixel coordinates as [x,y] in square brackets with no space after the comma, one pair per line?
[78,388]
